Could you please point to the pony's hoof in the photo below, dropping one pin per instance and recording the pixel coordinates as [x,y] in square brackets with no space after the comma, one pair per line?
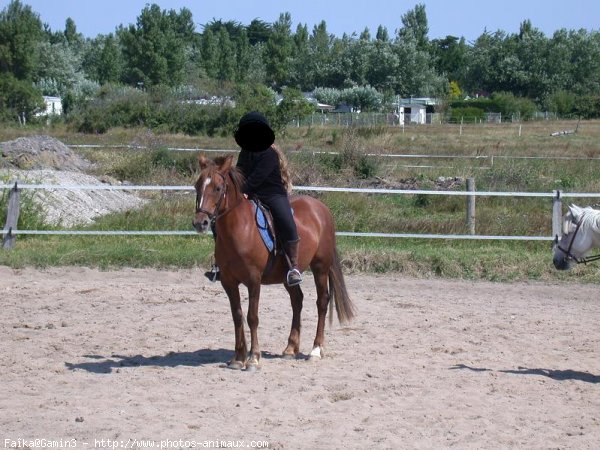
[316,354]
[252,363]
[235,365]
[289,356]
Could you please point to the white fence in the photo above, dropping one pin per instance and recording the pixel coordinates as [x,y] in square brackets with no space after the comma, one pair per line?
[10,229]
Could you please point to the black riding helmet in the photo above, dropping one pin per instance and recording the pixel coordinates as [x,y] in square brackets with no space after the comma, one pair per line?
[254,132]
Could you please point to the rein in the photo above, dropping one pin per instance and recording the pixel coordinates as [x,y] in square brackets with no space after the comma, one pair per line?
[215,214]
[570,255]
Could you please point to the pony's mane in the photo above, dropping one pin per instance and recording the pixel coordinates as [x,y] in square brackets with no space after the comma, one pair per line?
[237,177]
[590,218]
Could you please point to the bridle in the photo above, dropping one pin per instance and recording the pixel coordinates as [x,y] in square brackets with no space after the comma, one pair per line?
[568,253]
[215,214]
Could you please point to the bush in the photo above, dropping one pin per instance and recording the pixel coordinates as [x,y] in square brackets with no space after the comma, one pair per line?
[562,103]
[114,106]
[500,102]
[509,105]
[469,114]
[588,107]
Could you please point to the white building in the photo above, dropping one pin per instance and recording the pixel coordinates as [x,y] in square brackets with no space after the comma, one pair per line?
[53,106]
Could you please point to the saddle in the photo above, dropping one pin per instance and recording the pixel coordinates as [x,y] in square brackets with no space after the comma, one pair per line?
[264,222]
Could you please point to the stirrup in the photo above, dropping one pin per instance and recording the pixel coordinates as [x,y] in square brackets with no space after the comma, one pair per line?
[294,277]
[213,274]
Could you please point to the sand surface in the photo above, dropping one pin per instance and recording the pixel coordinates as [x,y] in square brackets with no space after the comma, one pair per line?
[135,357]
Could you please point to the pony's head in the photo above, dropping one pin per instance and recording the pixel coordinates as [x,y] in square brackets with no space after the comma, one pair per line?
[215,177]
[577,238]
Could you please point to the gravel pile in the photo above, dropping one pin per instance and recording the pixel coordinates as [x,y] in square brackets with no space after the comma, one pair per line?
[40,152]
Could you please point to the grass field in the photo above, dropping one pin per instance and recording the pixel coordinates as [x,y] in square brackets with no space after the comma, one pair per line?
[492,154]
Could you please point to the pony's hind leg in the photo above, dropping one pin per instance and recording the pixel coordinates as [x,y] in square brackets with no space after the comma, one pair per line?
[296,298]
[322,302]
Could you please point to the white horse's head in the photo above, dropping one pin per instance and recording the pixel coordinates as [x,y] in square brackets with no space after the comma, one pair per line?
[580,233]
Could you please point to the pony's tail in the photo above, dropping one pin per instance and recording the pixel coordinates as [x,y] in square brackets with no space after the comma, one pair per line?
[338,293]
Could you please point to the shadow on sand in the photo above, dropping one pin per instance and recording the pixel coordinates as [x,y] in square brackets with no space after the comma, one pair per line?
[558,375]
[103,364]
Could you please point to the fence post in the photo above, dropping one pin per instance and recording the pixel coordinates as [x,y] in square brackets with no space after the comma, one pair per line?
[557,214]
[471,206]
[12,218]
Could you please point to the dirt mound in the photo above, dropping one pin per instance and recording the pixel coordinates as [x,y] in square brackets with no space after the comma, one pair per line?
[40,152]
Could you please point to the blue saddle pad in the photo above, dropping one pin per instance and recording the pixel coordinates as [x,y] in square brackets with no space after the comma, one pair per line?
[263,227]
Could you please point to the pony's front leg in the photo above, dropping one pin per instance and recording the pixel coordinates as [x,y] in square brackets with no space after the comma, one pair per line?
[253,298]
[239,360]
[293,346]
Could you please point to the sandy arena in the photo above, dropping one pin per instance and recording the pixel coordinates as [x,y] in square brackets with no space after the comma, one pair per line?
[133,357]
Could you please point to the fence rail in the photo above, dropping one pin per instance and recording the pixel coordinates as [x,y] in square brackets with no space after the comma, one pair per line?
[10,229]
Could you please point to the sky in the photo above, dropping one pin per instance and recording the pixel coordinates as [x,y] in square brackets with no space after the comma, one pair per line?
[467,18]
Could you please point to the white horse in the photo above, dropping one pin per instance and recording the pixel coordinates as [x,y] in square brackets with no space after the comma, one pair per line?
[580,234]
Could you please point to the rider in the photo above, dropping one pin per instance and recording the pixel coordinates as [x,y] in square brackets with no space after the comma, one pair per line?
[267,179]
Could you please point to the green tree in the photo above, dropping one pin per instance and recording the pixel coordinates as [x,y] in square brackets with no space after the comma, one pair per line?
[257,70]
[233,28]
[319,50]
[254,97]
[258,32]
[341,71]
[58,68]
[74,39]
[382,34]
[292,106]
[102,61]
[210,54]
[450,57]
[154,49]
[383,66]
[415,27]
[20,33]
[19,100]
[416,74]
[585,62]
[243,56]
[454,91]
[364,98]
[226,68]
[279,50]
[484,72]
[301,75]
[360,57]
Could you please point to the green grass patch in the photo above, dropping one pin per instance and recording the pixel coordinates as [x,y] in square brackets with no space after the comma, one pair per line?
[499,261]
[110,252]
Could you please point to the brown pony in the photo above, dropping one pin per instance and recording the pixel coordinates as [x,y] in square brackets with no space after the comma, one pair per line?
[243,258]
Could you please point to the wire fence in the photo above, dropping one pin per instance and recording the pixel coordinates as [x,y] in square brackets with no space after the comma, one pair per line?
[557,197]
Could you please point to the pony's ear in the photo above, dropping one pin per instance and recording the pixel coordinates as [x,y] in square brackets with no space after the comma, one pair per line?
[575,212]
[226,164]
[203,161]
